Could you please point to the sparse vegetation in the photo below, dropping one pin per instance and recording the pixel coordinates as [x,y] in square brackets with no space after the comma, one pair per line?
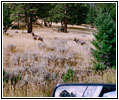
[69,76]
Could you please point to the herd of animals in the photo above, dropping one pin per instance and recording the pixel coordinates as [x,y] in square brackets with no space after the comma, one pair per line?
[39,38]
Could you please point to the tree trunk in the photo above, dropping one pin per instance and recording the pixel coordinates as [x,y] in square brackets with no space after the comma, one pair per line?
[45,24]
[26,16]
[5,29]
[62,24]
[50,24]
[18,21]
[65,25]
[30,24]
[65,19]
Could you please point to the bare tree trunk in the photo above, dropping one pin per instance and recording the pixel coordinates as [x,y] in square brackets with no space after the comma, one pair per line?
[62,24]
[45,24]
[50,24]
[65,25]
[26,20]
[5,29]
[18,21]
[30,21]
[65,19]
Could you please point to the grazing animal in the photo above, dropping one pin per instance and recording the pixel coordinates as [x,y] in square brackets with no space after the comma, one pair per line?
[55,38]
[16,31]
[78,41]
[36,37]
[82,43]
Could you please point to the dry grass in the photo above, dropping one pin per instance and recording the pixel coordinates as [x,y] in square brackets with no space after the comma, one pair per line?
[42,65]
[29,90]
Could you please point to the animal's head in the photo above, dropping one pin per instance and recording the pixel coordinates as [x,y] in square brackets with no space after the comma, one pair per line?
[35,38]
[32,33]
[42,39]
[75,39]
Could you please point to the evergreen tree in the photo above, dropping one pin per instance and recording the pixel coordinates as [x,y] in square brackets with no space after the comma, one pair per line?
[110,8]
[29,11]
[105,41]
[69,13]
[43,13]
[6,17]
[91,15]
[78,13]
[60,14]
[24,11]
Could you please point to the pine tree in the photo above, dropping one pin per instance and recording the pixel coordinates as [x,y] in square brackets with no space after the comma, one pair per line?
[26,12]
[6,17]
[91,16]
[105,42]
[69,13]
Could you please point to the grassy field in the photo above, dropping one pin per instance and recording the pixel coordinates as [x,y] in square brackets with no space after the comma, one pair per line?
[41,65]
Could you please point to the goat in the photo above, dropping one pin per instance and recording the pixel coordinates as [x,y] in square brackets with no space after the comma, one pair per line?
[36,37]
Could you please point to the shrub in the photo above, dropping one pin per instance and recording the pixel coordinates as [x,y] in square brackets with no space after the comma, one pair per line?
[99,66]
[4,77]
[14,79]
[69,76]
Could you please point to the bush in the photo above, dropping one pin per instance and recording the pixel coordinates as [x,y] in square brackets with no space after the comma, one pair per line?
[99,66]
[14,79]
[4,77]
[69,76]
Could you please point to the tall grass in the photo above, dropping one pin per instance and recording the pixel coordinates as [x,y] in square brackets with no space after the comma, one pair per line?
[43,65]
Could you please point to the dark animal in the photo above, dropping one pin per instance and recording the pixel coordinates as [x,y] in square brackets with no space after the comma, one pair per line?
[78,41]
[55,38]
[36,37]
[82,43]
[16,31]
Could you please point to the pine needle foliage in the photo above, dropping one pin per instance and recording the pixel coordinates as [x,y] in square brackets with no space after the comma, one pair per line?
[104,42]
